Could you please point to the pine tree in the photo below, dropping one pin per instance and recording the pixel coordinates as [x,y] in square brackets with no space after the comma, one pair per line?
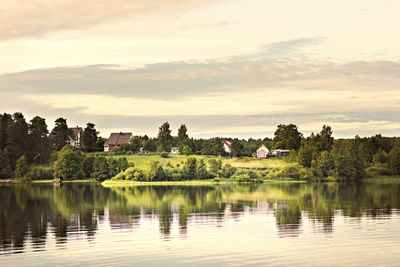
[164,138]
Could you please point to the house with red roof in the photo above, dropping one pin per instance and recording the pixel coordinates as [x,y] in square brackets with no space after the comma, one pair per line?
[115,140]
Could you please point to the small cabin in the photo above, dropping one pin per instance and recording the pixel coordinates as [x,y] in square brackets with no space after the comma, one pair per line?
[174,150]
[115,140]
[262,152]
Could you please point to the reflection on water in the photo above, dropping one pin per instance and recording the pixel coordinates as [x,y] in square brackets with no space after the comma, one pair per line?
[79,217]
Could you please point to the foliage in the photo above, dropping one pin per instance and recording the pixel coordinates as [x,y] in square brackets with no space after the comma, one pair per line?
[287,137]
[227,171]
[150,145]
[69,164]
[186,150]
[326,164]
[21,168]
[380,157]
[40,145]
[394,160]
[88,166]
[60,133]
[89,138]
[236,148]
[156,172]
[214,147]
[246,176]
[164,155]
[375,171]
[136,144]
[39,173]
[304,156]
[214,165]
[164,138]
[101,169]
[5,167]
[292,157]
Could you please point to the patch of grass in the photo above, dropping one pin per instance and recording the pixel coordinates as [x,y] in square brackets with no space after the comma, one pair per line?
[142,161]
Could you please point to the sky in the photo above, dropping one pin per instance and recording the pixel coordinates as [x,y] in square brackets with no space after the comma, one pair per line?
[231,68]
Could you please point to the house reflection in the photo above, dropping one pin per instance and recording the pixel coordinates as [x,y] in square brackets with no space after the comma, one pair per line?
[32,212]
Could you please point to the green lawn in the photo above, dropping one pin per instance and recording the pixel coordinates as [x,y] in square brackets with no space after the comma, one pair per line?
[143,160]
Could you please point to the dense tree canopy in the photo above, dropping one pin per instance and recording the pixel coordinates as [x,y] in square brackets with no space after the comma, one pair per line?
[164,138]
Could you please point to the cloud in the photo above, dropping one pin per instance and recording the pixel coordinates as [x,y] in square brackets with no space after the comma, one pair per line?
[33,18]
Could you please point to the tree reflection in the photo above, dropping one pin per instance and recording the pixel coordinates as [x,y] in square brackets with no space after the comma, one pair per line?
[34,211]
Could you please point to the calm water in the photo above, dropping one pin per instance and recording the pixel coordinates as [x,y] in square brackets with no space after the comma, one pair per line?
[236,225]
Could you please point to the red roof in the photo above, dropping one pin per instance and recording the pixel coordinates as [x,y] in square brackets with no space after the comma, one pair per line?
[117,139]
[227,143]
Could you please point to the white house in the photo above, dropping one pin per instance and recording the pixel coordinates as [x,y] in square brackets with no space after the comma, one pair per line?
[174,150]
[74,137]
[262,152]
[280,152]
[227,146]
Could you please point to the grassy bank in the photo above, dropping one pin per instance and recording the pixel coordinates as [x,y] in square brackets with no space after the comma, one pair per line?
[142,161]
[383,179]
[110,183]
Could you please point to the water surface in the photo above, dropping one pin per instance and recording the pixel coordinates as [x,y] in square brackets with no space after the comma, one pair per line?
[232,225]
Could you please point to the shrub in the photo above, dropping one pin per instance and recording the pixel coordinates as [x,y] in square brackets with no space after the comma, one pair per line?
[164,154]
[155,172]
[68,164]
[374,171]
[39,173]
[173,174]
[134,174]
[214,165]
[326,164]
[227,171]
[245,176]
[186,150]
[88,166]
[101,170]
[21,168]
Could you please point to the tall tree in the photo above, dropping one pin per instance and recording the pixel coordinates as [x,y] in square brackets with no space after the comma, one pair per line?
[164,138]
[69,164]
[17,138]
[287,137]
[5,121]
[136,144]
[60,133]
[325,139]
[182,134]
[236,147]
[5,167]
[40,144]
[89,138]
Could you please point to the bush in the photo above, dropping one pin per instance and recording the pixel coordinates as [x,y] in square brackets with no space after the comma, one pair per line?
[21,168]
[39,173]
[186,150]
[374,171]
[164,154]
[69,164]
[227,171]
[245,176]
[214,165]
[101,170]
[134,174]
[88,166]
[295,171]
[155,172]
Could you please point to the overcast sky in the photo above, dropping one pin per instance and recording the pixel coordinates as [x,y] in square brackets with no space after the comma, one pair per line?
[224,68]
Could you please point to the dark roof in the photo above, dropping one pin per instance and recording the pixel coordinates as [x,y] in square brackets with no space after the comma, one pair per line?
[116,139]
[74,132]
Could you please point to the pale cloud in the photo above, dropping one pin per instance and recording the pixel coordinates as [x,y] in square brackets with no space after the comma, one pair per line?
[34,18]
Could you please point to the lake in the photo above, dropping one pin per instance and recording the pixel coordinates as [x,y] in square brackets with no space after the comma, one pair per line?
[324,224]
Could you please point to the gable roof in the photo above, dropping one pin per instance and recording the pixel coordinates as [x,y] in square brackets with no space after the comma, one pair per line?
[227,143]
[74,133]
[263,148]
[116,139]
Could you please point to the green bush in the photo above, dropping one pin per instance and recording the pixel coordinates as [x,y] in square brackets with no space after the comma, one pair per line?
[101,169]
[21,168]
[69,164]
[164,154]
[245,176]
[39,173]
[374,171]
[227,171]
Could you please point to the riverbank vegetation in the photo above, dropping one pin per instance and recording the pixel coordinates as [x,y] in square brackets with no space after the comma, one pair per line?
[28,153]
